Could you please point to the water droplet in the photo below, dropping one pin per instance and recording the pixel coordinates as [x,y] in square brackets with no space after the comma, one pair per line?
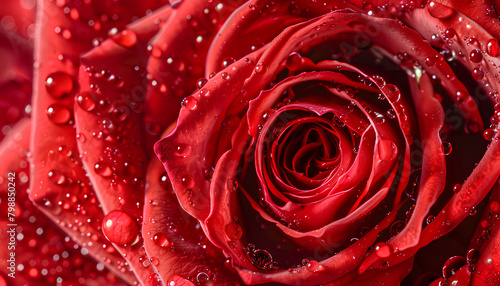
[488,134]
[120,228]
[57,177]
[59,114]
[379,81]
[430,219]
[161,240]
[201,82]
[447,148]
[387,150]
[59,84]
[429,61]
[449,33]
[188,181]
[86,102]
[227,62]
[314,266]
[478,73]
[383,250]
[260,68]
[457,188]
[202,278]
[231,184]
[493,48]
[189,102]
[233,231]
[476,56]
[473,255]
[103,169]
[391,92]
[452,265]
[224,75]
[293,61]
[154,261]
[165,181]
[126,38]
[183,150]
[438,10]
[262,259]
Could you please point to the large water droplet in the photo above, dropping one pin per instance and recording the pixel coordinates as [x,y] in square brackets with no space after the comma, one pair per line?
[59,114]
[233,231]
[103,169]
[202,278]
[452,265]
[493,48]
[188,181]
[383,250]
[59,84]
[57,177]
[126,38]
[183,150]
[120,228]
[262,259]
[86,102]
[391,92]
[387,150]
[438,10]
[476,56]
[190,102]
[260,68]
[161,240]
[227,62]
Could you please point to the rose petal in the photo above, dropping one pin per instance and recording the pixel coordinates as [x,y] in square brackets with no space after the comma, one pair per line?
[178,54]
[173,238]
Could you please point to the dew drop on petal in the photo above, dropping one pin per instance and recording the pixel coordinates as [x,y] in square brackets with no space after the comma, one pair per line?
[56,177]
[183,150]
[201,82]
[493,47]
[103,169]
[438,10]
[126,38]
[227,62]
[476,56]
[260,68]
[233,231]
[449,33]
[189,102]
[202,278]
[314,266]
[59,84]
[86,102]
[391,92]
[188,181]
[120,228]
[161,240]
[261,259]
[383,250]
[59,114]
[387,150]
[447,148]
[452,265]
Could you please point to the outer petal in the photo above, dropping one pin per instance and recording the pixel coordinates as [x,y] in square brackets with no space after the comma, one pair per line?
[56,169]
[109,122]
[42,253]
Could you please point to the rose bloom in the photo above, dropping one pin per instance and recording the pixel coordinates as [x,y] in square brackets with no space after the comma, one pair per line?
[224,142]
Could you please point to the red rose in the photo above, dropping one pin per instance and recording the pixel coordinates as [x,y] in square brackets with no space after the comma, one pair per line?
[304,143]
